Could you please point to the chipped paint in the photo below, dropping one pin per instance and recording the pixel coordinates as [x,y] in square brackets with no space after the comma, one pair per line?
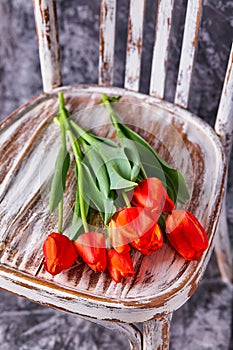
[158,287]
[224,120]
[189,45]
[47,33]
[107,41]
[134,44]
[160,50]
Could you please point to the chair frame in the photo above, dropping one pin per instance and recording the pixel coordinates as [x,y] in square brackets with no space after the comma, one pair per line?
[153,312]
[47,30]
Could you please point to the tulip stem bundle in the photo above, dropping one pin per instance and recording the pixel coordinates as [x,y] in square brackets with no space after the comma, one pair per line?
[132,188]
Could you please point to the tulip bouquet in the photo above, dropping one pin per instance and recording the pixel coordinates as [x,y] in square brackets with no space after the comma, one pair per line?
[132,189]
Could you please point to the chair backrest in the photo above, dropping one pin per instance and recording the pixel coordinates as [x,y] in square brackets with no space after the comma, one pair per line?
[46,21]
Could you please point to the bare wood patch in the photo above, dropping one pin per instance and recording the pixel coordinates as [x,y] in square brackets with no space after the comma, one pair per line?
[47,33]
[107,41]
[192,23]
[160,51]
[134,44]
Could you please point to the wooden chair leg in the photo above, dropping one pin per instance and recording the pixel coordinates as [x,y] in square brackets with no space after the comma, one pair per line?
[156,333]
[223,248]
[130,331]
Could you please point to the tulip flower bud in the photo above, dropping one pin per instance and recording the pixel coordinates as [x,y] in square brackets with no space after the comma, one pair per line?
[150,241]
[150,193]
[59,253]
[119,265]
[130,224]
[186,234]
[91,246]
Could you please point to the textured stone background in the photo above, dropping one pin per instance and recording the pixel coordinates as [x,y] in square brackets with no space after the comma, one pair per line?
[206,321]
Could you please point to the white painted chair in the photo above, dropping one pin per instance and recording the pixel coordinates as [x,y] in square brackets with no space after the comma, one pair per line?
[29,139]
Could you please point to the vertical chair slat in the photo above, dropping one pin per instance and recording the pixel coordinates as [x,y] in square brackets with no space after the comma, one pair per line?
[47,33]
[224,128]
[160,51]
[224,120]
[192,22]
[107,41]
[134,44]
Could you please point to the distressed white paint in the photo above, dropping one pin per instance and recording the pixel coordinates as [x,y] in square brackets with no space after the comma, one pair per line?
[224,121]
[73,302]
[134,44]
[130,331]
[224,128]
[135,300]
[223,247]
[192,22]
[79,290]
[160,51]
[197,132]
[47,33]
[156,333]
[107,41]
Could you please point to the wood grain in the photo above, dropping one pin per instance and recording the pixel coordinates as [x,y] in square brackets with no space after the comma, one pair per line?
[47,34]
[189,46]
[107,41]
[161,46]
[134,44]
[164,280]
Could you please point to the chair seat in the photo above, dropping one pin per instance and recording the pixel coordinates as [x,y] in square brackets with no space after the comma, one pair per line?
[30,141]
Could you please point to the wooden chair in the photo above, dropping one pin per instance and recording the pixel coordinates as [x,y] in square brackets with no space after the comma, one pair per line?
[29,139]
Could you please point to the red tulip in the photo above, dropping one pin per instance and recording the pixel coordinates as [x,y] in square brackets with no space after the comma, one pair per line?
[119,265]
[91,246]
[150,241]
[129,224]
[59,253]
[150,193]
[186,234]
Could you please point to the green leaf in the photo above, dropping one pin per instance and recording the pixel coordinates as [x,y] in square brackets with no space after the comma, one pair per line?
[117,157]
[116,162]
[132,154]
[76,228]
[104,205]
[117,182]
[106,141]
[99,169]
[65,169]
[94,160]
[59,178]
[109,208]
[156,166]
[152,163]
[77,224]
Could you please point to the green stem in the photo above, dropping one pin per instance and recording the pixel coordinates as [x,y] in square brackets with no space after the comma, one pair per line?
[78,159]
[61,100]
[112,114]
[81,200]
[107,238]
[75,146]
[82,133]
[63,134]
[126,199]
[65,125]
[144,174]
[60,216]
[63,140]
